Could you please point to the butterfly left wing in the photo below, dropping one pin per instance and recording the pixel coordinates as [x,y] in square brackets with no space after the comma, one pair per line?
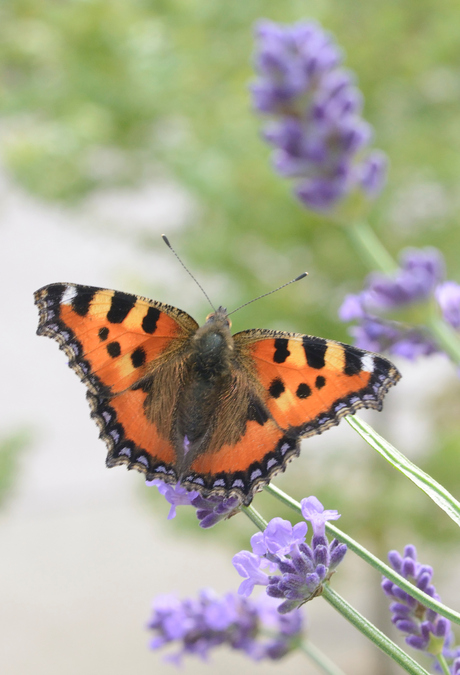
[110,339]
[302,385]
[310,383]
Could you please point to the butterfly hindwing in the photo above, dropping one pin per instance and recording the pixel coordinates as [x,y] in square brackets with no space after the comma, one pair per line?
[110,339]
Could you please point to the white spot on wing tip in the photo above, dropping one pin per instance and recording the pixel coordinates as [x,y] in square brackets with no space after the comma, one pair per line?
[367,363]
[68,295]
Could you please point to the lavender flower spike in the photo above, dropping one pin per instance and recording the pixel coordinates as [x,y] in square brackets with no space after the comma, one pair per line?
[199,625]
[424,628]
[320,139]
[296,570]
[209,510]
[377,308]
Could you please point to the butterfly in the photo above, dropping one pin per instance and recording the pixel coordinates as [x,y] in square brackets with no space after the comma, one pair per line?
[196,405]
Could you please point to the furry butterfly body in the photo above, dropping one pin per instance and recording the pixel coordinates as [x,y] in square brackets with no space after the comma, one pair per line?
[217,412]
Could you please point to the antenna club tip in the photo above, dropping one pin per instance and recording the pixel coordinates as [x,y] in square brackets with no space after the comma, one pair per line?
[301,276]
[166,240]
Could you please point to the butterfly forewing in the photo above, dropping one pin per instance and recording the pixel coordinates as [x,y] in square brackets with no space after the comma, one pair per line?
[310,383]
[110,339]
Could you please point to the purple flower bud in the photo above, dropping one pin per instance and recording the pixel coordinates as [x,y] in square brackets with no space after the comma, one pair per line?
[337,555]
[352,308]
[210,510]
[373,172]
[448,297]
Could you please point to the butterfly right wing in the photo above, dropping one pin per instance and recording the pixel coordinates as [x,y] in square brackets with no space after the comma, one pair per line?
[111,339]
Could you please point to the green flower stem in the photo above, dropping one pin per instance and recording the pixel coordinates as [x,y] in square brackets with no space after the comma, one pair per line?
[373,251]
[432,488]
[321,660]
[308,648]
[255,516]
[372,560]
[371,632]
[443,663]
[446,337]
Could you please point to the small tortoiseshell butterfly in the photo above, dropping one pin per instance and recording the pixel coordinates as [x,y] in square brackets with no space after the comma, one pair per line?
[193,404]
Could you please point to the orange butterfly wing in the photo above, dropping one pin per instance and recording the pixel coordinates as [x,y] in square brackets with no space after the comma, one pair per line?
[308,385]
[311,382]
[110,338]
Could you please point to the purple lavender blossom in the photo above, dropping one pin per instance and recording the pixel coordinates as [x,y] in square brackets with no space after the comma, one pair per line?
[425,629]
[320,138]
[448,297]
[209,510]
[199,625]
[296,571]
[176,495]
[414,282]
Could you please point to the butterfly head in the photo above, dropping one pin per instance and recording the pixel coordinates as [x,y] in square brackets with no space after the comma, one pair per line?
[219,318]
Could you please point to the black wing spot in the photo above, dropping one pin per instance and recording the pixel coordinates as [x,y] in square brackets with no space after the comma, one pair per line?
[149,322]
[138,357]
[276,388]
[120,307]
[55,292]
[315,351]
[82,300]
[103,333]
[281,350]
[114,349]
[353,364]
[320,382]
[257,412]
[303,390]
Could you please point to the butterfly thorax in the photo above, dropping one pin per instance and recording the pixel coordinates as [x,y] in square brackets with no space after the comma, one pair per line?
[206,387]
[213,347]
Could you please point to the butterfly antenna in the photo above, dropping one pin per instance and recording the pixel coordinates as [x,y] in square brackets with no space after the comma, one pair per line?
[166,241]
[301,276]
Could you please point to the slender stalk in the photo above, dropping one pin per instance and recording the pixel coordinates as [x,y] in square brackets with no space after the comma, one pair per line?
[372,249]
[321,660]
[372,560]
[445,336]
[371,632]
[255,516]
[432,488]
[443,663]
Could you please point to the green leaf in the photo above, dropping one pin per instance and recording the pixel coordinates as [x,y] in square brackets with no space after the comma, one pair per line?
[432,488]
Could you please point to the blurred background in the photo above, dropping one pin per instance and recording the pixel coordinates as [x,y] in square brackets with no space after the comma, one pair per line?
[123,119]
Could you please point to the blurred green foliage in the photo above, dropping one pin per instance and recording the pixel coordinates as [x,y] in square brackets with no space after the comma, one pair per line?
[101,93]
[11,447]
[98,93]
